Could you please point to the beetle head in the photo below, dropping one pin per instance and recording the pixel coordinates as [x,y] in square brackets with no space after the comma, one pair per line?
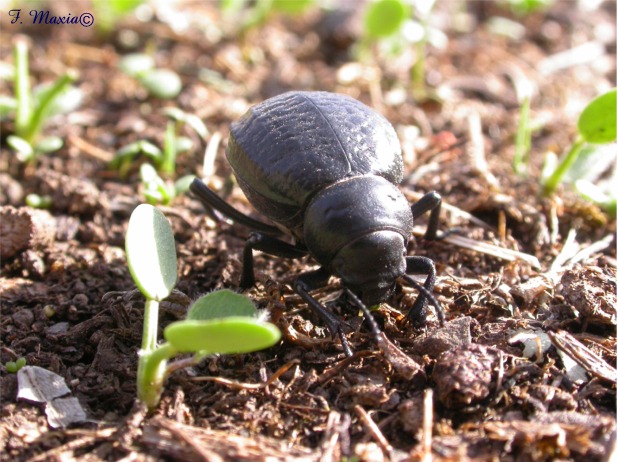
[370,265]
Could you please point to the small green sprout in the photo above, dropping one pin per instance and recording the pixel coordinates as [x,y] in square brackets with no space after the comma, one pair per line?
[173,144]
[181,117]
[220,322]
[525,7]
[523,138]
[596,126]
[160,83]
[385,17]
[388,24]
[259,11]
[13,367]
[33,109]
[109,12]
[126,154]
[525,126]
[38,202]
[49,311]
[157,190]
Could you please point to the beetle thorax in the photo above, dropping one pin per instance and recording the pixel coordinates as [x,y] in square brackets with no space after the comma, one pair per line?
[358,229]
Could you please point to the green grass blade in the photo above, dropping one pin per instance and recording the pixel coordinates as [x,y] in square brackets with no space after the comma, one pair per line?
[22,88]
[522,139]
[41,111]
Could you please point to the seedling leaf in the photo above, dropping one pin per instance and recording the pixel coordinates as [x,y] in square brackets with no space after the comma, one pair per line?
[45,104]
[182,184]
[525,7]
[38,202]
[191,120]
[196,124]
[137,147]
[597,122]
[221,304]
[183,144]
[24,149]
[151,252]
[385,17]
[161,83]
[291,6]
[235,334]
[7,106]
[120,7]
[49,144]
[66,99]
[136,63]
[156,190]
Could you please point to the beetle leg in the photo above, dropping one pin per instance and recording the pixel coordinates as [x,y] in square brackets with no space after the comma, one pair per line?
[418,312]
[270,245]
[429,202]
[211,201]
[309,281]
[373,325]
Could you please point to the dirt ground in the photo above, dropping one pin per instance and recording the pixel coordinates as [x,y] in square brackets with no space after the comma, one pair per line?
[475,389]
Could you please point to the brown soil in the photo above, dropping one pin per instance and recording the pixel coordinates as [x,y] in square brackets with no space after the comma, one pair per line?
[462,392]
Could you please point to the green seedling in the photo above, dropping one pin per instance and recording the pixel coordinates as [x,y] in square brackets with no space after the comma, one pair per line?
[220,322]
[109,13]
[523,138]
[126,154]
[383,25]
[7,106]
[173,144]
[37,201]
[190,120]
[157,190]
[34,108]
[389,25]
[596,126]
[13,367]
[384,18]
[254,14]
[526,7]
[160,83]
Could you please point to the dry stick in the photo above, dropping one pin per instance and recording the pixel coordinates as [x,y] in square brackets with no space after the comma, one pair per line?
[188,439]
[582,54]
[331,437]
[593,248]
[334,371]
[486,248]
[208,166]
[248,386]
[90,149]
[371,426]
[477,148]
[453,210]
[80,443]
[572,253]
[427,424]
[583,356]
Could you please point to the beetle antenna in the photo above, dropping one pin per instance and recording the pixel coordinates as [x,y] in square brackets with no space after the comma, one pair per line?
[372,322]
[434,301]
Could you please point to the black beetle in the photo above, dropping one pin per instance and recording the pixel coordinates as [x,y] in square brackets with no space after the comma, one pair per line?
[324,168]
